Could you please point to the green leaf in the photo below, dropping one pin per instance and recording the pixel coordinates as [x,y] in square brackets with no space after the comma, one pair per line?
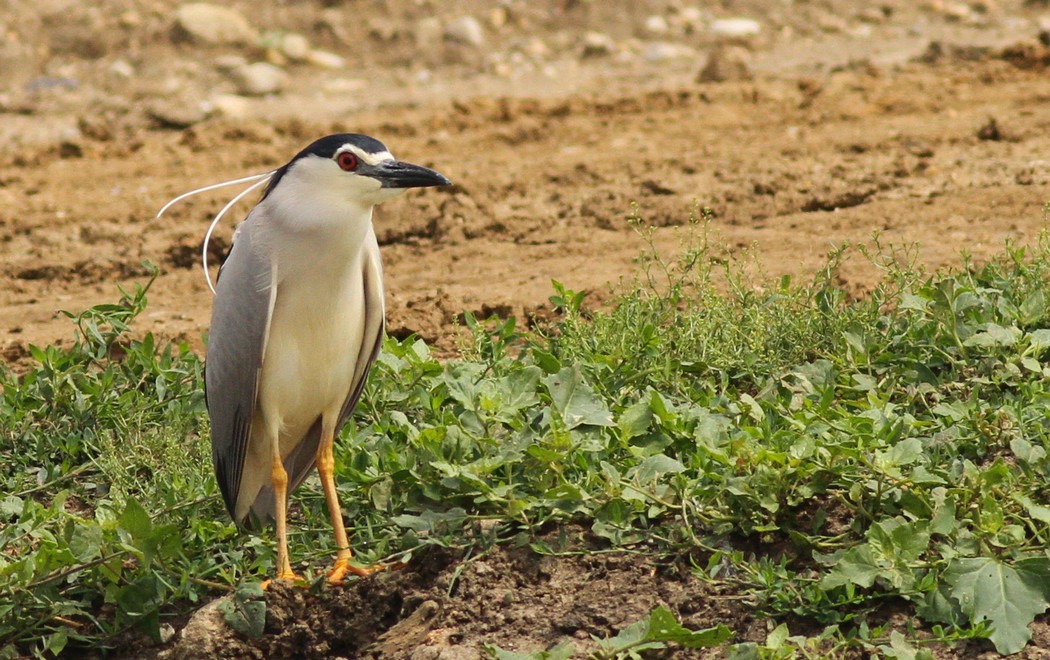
[520,388]
[906,451]
[900,648]
[245,610]
[994,335]
[86,541]
[559,652]
[631,636]
[1036,511]
[635,420]
[576,400]
[1033,309]
[895,539]
[855,566]
[1039,340]
[55,643]
[1026,451]
[777,637]
[11,506]
[135,521]
[664,627]
[1006,596]
[653,467]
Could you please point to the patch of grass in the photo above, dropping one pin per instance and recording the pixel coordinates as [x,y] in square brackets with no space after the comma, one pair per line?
[826,458]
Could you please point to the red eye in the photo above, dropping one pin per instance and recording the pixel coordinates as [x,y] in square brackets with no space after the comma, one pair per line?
[347,161]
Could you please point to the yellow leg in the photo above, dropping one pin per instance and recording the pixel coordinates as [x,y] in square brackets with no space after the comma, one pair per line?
[279,477]
[326,468]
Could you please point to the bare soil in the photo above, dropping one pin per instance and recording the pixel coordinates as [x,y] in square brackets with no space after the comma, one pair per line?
[444,603]
[924,121]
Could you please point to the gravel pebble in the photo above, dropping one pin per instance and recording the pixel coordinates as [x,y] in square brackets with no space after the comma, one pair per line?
[325,59]
[690,17]
[596,44]
[233,106]
[427,32]
[121,68]
[735,27]
[466,30]
[726,63]
[214,24]
[656,24]
[295,47]
[660,51]
[176,114]
[259,79]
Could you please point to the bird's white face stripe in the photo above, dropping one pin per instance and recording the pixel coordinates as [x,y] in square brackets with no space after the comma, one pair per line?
[364,156]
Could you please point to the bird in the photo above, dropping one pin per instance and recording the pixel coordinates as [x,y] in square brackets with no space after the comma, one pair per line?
[297,322]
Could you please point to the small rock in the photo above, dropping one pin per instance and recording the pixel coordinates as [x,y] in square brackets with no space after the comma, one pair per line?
[656,24]
[214,24]
[174,114]
[233,106]
[203,635]
[343,85]
[535,48]
[259,79]
[121,69]
[498,17]
[383,29]
[466,30]
[167,631]
[596,44]
[295,47]
[691,15]
[991,131]
[727,63]
[130,19]
[689,19]
[427,32]
[872,15]
[831,24]
[325,59]
[49,83]
[735,28]
[276,57]
[660,51]
[229,62]
[502,69]
[957,11]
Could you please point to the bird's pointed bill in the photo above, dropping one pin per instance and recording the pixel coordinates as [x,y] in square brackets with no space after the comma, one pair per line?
[399,174]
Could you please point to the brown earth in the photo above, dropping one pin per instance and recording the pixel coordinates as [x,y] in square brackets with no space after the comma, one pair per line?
[496,594]
[924,121]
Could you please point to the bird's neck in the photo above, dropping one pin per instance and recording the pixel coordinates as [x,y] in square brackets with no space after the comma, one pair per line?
[319,236]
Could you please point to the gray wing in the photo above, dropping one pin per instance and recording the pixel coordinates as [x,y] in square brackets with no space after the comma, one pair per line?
[240,319]
[302,460]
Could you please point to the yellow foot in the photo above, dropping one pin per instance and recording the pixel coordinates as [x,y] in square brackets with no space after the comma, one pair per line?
[343,566]
[283,577]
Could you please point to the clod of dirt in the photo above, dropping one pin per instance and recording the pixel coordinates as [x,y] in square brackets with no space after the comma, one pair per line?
[442,606]
[992,131]
[726,63]
[207,636]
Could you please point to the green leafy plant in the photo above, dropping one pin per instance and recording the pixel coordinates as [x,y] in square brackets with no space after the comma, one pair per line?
[652,633]
[824,458]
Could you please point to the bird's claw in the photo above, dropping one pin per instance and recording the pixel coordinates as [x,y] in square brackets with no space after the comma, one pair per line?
[343,566]
[288,576]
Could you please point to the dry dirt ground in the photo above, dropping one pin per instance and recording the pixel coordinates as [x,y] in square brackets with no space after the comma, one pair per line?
[925,121]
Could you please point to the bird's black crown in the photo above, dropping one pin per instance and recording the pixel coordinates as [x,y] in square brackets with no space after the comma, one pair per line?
[325,148]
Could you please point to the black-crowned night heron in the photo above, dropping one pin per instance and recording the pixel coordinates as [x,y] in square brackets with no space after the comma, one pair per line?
[296,323]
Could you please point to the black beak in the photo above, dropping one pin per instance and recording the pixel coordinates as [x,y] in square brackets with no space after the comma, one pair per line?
[399,174]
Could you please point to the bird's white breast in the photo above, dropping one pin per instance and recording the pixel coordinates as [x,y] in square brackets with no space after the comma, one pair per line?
[316,330]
